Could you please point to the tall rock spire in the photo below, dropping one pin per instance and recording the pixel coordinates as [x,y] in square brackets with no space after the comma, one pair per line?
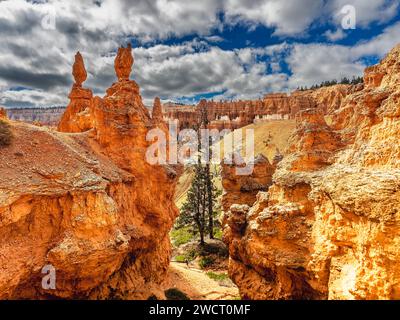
[78,70]
[76,117]
[123,63]
[123,67]
[157,114]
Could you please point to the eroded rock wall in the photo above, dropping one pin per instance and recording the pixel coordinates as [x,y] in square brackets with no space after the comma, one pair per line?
[243,189]
[329,226]
[85,201]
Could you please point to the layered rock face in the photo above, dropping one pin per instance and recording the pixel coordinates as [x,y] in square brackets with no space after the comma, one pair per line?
[275,106]
[283,106]
[329,226]
[329,99]
[86,203]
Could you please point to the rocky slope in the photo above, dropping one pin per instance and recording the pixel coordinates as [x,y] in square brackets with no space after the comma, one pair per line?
[329,226]
[85,201]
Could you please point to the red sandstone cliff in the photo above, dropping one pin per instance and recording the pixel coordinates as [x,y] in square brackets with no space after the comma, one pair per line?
[86,202]
[328,227]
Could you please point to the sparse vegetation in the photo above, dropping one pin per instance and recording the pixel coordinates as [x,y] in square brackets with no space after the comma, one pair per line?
[182,235]
[206,262]
[181,258]
[175,294]
[5,134]
[218,233]
[345,80]
[187,257]
[217,276]
[212,256]
[267,142]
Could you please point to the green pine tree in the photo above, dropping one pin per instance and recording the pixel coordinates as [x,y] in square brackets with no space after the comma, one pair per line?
[201,207]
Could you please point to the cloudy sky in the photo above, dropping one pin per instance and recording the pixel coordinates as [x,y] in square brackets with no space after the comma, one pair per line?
[186,50]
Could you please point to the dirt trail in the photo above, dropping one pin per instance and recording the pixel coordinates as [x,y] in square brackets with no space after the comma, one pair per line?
[197,285]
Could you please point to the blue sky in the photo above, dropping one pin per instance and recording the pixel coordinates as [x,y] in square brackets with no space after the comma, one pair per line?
[186,50]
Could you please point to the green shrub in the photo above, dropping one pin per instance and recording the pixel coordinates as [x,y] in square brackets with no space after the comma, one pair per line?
[206,262]
[218,233]
[5,134]
[187,256]
[217,276]
[175,294]
[180,258]
[181,236]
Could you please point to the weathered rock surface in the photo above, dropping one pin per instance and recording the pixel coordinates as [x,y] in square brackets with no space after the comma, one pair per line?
[329,226]
[86,202]
[123,63]
[243,189]
[78,70]
[3,113]
[328,99]
[77,117]
[314,142]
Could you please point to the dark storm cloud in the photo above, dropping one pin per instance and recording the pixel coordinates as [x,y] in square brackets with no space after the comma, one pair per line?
[100,81]
[45,81]
[20,51]
[188,74]
[22,23]
[68,27]
[18,103]
[95,36]
[147,7]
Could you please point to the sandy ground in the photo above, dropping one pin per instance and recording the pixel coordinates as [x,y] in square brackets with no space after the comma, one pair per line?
[197,285]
